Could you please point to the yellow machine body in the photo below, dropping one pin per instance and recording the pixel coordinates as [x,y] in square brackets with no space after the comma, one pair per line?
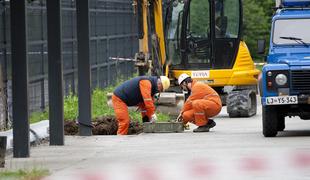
[242,73]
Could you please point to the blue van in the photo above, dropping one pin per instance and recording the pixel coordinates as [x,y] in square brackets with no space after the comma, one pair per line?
[285,79]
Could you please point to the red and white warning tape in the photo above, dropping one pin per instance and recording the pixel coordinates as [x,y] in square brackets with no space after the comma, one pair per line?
[294,165]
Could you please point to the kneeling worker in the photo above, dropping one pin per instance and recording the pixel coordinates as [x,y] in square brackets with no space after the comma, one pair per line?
[203,103]
[138,91]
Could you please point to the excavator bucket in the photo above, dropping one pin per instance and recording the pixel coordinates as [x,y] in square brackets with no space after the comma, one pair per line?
[168,102]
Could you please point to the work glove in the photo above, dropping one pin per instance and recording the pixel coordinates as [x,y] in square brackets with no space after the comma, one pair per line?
[186,126]
[153,118]
[156,96]
[180,118]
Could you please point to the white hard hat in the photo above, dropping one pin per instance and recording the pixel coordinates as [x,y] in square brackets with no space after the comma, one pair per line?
[182,77]
[165,82]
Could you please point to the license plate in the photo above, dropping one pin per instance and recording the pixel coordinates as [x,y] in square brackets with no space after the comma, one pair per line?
[281,100]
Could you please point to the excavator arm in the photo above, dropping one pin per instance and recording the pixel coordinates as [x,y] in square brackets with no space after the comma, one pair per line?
[152,51]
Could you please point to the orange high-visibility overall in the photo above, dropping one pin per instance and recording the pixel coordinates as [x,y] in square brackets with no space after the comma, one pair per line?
[203,103]
[121,110]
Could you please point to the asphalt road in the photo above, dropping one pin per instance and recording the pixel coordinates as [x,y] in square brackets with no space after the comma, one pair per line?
[234,149]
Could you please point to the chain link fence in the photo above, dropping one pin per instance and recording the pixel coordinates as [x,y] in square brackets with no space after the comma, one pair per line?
[113,33]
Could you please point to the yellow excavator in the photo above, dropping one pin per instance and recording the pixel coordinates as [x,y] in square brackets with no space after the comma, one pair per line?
[203,39]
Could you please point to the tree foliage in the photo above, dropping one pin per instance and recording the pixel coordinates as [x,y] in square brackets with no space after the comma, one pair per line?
[256,22]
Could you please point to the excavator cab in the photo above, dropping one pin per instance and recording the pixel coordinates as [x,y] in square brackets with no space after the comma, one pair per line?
[203,39]
[204,34]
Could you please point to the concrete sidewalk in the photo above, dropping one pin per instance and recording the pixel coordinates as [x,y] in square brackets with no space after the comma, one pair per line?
[234,149]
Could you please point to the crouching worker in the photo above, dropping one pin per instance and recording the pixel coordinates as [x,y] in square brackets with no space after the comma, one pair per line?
[203,103]
[138,91]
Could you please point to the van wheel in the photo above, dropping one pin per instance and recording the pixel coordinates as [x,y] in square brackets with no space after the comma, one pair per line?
[281,123]
[270,121]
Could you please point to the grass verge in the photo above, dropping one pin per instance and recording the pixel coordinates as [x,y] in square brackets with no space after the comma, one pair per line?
[34,174]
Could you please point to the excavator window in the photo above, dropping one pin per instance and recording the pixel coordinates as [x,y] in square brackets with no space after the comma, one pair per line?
[198,33]
[204,34]
[226,19]
[174,33]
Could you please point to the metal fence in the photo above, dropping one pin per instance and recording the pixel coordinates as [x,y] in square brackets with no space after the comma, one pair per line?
[113,34]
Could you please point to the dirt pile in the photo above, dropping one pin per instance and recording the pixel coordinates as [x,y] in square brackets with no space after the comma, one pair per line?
[71,127]
[103,126]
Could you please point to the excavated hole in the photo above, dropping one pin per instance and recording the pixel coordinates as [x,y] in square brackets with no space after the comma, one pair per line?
[103,126]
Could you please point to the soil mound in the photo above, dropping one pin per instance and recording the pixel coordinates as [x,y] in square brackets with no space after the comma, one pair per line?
[103,126]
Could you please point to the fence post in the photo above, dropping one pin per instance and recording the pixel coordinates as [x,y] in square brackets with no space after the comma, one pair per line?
[2,151]
[84,74]
[3,107]
[55,73]
[108,62]
[19,78]
[4,67]
[42,60]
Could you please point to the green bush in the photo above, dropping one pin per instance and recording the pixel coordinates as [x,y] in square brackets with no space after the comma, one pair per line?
[38,116]
[71,107]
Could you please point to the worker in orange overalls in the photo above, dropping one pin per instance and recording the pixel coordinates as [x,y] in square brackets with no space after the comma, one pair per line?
[138,91]
[203,103]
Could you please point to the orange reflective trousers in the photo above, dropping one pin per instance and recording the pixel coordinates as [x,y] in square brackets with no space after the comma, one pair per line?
[121,114]
[200,111]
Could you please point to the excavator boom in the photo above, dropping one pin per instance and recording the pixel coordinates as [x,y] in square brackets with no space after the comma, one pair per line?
[150,24]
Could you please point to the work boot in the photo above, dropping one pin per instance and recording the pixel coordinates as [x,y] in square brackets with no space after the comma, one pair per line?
[211,123]
[207,127]
[204,128]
